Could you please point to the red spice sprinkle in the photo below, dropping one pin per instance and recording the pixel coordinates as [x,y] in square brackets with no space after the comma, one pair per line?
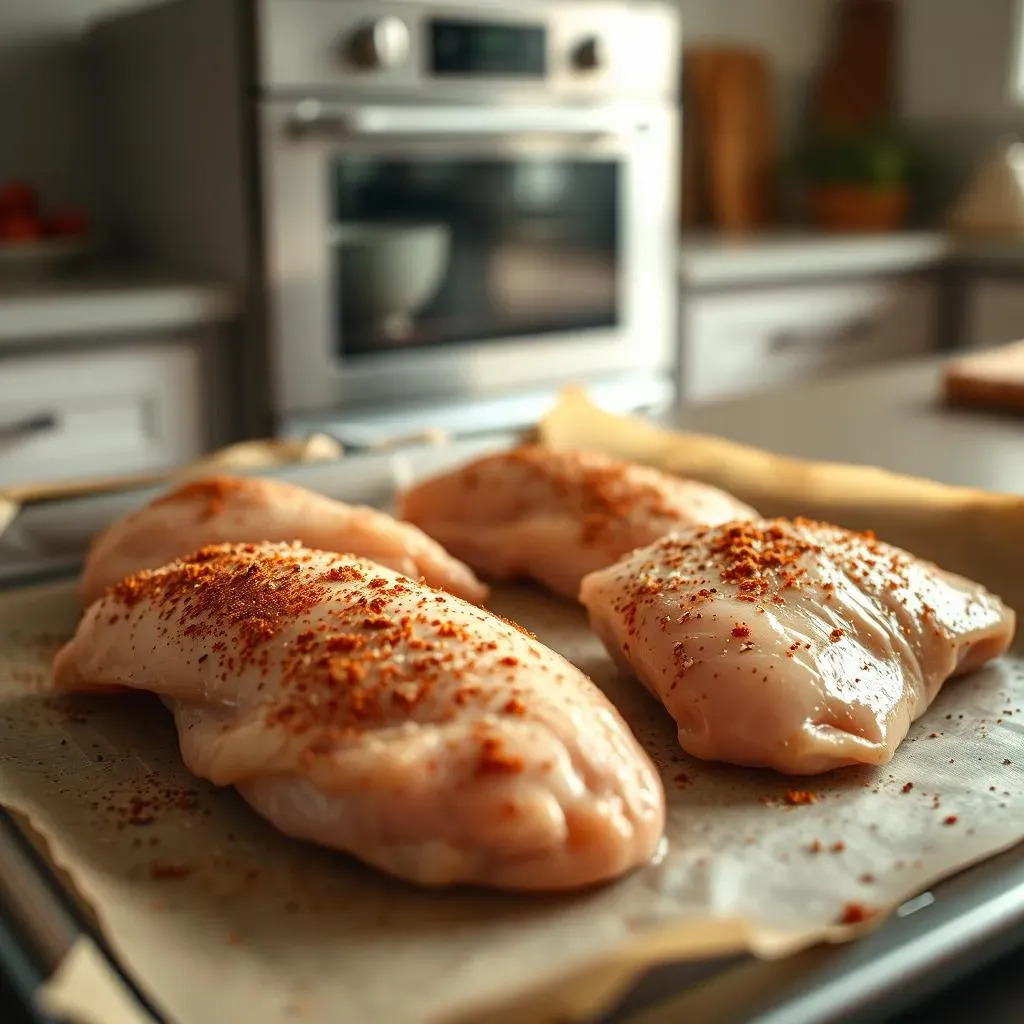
[867,878]
[951,820]
[797,797]
[493,759]
[855,913]
[362,659]
[740,631]
[170,872]
[838,847]
[815,846]
[213,492]
[514,625]
[907,787]
[344,574]
[600,490]
[836,635]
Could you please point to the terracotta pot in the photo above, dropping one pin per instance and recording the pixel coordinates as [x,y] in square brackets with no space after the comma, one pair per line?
[856,208]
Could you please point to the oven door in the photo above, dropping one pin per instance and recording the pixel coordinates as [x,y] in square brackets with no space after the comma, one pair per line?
[459,252]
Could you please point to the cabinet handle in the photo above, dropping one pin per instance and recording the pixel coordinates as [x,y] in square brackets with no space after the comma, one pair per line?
[848,334]
[30,425]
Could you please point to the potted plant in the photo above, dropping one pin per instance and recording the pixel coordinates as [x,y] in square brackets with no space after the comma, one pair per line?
[857,181]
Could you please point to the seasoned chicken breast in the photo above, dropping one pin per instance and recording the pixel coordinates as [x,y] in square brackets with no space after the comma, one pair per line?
[554,516]
[251,510]
[359,709]
[792,644]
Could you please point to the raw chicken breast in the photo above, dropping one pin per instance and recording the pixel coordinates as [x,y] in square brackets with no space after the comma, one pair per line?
[251,510]
[792,644]
[555,516]
[361,710]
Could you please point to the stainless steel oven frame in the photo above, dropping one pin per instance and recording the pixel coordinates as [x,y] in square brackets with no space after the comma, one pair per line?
[301,139]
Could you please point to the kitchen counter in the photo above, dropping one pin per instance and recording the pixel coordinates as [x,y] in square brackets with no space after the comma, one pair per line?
[708,260]
[73,307]
[888,416]
[717,261]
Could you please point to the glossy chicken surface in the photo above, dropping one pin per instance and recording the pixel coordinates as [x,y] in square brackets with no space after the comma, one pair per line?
[791,644]
[253,510]
[364,711]
[554,516]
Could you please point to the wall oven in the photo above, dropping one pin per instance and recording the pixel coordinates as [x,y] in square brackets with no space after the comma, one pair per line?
[453,206]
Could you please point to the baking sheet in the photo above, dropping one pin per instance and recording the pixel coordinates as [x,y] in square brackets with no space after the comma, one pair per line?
[221,918]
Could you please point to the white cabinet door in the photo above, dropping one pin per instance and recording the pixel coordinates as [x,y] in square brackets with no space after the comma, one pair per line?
[736,343]
[80,414]
[995,312]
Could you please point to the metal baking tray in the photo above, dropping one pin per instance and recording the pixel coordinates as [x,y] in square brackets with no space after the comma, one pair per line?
[932,941]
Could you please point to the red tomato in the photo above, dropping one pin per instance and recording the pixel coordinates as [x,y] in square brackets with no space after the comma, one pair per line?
[18,197]
[68,222]
[19,227]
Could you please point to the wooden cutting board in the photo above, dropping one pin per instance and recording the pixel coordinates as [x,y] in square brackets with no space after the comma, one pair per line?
[730,139]
[993,379]
[857,85]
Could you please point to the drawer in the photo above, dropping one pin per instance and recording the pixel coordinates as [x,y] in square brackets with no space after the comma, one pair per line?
[995,313]
[738,343]
[71,415]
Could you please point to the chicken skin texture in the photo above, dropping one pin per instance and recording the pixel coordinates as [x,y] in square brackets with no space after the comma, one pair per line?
[253,510]
[792,644]
[361,710]
[554,516]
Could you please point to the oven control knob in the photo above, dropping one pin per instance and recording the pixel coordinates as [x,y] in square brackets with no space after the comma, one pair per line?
[589,55]
[382,44]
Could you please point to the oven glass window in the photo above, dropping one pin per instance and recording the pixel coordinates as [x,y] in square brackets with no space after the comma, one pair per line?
[443,252]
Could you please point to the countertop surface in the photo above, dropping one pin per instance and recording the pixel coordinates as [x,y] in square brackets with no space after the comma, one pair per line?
[74,308]
[718,261]
[708,260]
[889,416]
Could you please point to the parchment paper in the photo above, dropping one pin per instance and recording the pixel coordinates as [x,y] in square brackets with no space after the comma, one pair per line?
[85,990]
[220,918]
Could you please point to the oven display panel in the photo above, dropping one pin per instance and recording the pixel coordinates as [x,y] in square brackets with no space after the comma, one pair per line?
[480,48]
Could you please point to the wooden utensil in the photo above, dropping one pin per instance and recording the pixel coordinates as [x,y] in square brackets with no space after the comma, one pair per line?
[698,95]
[731,139]
[856,87]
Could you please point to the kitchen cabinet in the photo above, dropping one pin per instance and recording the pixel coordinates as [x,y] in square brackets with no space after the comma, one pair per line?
[740,341]
[117,372]
[104,409]
[994,311]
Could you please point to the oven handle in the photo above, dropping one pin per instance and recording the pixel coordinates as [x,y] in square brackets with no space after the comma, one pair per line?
[311,119]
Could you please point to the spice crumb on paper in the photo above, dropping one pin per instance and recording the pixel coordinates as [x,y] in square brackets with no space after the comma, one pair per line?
[251,917]
[856,913]
[171,872]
